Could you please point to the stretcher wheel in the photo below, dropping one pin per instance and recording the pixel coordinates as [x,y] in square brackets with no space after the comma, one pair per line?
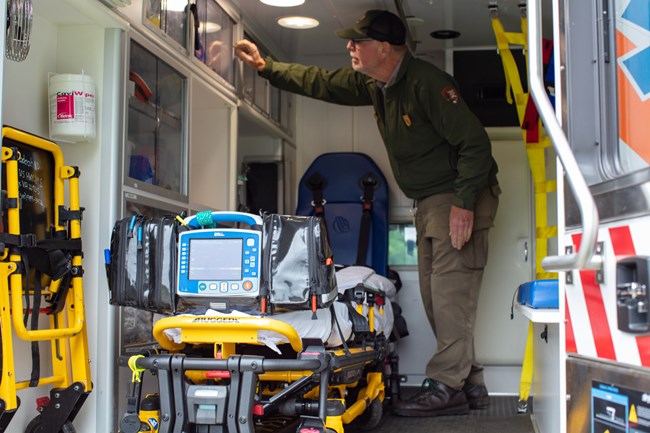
[371,418]
[36,426]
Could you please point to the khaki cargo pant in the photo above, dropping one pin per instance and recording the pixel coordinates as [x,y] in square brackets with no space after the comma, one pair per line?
[450,280]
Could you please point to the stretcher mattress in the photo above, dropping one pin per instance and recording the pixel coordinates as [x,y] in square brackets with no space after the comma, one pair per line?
[326,329]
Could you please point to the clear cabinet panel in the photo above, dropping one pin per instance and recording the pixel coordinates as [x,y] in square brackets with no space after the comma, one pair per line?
[269,100]
[170,16]
[214,39]
[155,150]
[275,109]
[286,113]
[255,88]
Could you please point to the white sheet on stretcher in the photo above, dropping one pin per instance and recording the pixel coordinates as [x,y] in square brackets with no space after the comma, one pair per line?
[324,328]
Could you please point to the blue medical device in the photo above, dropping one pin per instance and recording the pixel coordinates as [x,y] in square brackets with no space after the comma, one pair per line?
[220,262]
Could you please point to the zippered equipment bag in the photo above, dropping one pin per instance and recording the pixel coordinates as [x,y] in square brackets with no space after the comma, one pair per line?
[141,265]
[298,267]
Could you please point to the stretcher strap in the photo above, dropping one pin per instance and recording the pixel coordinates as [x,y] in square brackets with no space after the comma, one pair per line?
[369,183]
[335,319]
[50,256]
[359,323]
[36,355]
[35,308]
[527,367]
[316,183]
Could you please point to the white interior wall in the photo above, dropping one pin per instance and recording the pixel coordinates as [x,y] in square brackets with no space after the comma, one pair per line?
[323,127]
[68,49]
[81,48]
[210,176]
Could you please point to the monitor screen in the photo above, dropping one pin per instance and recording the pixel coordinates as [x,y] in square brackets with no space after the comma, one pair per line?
[215,259]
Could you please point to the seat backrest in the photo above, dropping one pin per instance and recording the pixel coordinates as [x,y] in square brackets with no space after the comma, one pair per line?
[341,177]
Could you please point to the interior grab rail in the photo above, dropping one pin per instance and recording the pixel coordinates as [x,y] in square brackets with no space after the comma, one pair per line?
[584,258]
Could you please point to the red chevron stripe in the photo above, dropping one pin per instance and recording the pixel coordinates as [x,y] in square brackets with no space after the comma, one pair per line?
[571,346]
[596,311]
[622,241]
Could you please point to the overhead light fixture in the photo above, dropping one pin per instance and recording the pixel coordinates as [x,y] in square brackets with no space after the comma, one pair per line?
[445,34]
[176,5]
[283,3]
[297,22]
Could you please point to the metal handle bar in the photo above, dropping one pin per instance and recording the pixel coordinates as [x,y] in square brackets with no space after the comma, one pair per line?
[223,217]
[263,365]
[584,257]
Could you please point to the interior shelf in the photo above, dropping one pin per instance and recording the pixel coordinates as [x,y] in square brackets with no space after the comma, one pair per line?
[539,315]
[150,110]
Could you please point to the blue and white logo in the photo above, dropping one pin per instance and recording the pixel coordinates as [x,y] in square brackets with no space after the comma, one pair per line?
[634,23]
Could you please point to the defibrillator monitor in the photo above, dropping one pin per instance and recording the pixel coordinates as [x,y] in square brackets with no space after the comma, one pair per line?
[219,263]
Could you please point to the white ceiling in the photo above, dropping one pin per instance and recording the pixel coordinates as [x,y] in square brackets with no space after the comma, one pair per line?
[470,17]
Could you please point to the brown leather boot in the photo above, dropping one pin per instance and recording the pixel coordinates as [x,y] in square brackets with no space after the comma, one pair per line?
[434,399]
[477,395]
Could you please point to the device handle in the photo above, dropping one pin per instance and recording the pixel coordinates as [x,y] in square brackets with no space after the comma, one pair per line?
[212,330]
[227,217]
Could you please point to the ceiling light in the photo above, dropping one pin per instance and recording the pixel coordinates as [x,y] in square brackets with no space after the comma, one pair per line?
[414,21]
[296,22]
[176,5]
[283,3]
[445,34]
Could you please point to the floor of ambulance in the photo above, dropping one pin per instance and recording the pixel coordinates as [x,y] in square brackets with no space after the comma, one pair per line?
[500,417]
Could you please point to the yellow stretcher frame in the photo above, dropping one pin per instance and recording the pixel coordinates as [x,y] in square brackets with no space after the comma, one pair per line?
[542,186]
[225,332]
[67,332]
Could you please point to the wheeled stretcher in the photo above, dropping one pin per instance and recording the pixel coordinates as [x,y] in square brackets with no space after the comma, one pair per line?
[320,368]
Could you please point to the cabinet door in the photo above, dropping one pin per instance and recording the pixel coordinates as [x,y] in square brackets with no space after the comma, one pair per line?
[214,39]
[170,16]
[156,147]
[255,89]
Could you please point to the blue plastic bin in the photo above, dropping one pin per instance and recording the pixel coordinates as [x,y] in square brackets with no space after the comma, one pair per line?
[539,294]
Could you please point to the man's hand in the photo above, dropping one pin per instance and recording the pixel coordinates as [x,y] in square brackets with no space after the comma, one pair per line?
[248,52]
[461,222]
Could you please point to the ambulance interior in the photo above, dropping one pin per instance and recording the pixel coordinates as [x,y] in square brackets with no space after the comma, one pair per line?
[219,138]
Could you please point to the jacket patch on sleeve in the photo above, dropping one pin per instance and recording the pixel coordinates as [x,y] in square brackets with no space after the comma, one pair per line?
[450,94]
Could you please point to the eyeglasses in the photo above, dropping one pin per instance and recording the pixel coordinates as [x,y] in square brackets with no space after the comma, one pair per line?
[354,42]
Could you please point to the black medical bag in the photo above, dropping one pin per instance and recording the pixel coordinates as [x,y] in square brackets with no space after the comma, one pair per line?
[298,267]
[142,267]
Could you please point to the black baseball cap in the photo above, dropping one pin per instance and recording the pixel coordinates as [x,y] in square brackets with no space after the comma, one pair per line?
[379,25]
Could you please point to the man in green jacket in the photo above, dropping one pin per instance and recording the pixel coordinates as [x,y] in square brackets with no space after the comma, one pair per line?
[441,157]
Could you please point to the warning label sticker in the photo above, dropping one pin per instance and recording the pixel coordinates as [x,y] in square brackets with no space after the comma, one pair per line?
[615,409]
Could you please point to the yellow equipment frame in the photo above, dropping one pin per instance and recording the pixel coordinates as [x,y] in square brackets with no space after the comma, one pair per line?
[67,332]
[537,158]
[224,333]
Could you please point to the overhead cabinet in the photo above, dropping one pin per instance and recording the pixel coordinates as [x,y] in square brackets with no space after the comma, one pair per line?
[170,17]
[156,131]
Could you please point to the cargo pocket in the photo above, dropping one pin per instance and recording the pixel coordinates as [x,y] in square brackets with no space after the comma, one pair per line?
[474,254]
[486,208]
